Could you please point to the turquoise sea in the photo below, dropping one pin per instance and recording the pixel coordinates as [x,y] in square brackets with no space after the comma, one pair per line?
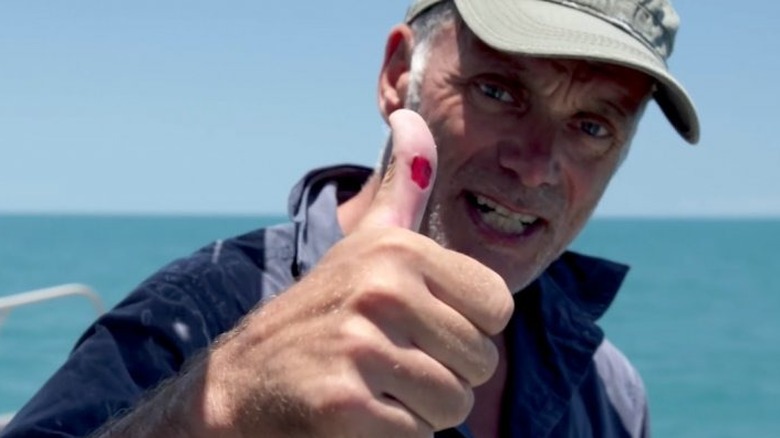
[699,313]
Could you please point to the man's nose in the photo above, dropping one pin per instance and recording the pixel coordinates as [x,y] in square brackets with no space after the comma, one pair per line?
[530,153]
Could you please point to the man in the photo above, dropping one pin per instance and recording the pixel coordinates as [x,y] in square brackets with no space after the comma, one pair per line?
[347,322]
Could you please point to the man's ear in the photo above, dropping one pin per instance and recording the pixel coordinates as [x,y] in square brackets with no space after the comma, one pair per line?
[395,73]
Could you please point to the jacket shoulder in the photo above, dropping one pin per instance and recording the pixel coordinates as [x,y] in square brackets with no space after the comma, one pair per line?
[624,387]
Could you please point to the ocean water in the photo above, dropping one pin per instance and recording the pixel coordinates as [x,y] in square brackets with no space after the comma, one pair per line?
[699,313]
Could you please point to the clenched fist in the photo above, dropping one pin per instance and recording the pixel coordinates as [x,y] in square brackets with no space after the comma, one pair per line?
[385,337]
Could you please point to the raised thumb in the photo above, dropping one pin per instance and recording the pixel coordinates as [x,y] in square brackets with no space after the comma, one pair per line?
[406,185]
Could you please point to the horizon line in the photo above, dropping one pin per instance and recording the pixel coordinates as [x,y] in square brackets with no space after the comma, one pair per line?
[248,215]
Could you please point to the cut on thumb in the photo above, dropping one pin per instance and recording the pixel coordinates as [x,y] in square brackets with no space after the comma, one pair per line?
[410,173]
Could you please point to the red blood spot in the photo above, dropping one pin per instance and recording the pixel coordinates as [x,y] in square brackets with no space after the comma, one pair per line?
[421,172]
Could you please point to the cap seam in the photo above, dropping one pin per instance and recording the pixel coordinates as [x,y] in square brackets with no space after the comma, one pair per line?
[622,25]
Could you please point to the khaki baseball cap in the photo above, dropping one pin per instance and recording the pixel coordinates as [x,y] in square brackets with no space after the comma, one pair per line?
[635,33]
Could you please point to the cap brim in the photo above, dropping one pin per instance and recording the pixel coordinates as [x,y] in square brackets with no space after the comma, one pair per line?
[541,28]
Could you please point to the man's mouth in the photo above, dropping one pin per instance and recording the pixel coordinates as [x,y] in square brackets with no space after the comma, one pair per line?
[500,218]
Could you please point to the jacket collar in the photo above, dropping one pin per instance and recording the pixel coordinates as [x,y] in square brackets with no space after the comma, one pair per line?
[590,283]
[552,338]
[312,208]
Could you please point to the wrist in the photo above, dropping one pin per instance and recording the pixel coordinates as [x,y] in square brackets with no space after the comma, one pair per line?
[202,406]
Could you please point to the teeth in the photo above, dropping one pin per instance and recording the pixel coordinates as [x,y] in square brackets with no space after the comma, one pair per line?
[502,219]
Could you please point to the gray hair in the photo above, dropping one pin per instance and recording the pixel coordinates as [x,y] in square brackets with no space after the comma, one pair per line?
[425,28]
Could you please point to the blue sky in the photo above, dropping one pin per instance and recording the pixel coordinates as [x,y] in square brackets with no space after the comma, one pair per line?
[206,107]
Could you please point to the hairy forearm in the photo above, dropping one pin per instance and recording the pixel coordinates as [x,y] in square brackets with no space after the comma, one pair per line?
[172,410]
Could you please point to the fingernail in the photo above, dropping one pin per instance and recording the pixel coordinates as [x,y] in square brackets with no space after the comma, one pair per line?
[421,172]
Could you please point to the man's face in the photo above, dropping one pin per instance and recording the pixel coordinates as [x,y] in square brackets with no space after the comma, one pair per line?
[526,149]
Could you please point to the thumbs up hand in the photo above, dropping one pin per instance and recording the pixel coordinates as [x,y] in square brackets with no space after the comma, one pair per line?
[385,337]
[406,184]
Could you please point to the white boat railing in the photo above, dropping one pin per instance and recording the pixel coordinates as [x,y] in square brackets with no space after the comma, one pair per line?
[4,420]
[11,302]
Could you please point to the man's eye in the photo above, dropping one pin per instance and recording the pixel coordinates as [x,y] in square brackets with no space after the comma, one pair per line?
[594,129]
[495,92]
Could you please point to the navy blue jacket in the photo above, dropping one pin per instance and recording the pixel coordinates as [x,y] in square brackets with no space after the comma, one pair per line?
[565,379]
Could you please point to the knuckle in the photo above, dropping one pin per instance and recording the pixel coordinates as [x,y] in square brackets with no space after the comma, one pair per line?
[489,361]
[380,295]
[446,397]
[338,413]
[501,305]
[466,404]
[490,300]
[399,242]
[456,407]
[357,338]
[336,397]
[482,362]
[345,399]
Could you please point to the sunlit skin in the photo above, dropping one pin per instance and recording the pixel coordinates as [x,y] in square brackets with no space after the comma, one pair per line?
[540,137]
